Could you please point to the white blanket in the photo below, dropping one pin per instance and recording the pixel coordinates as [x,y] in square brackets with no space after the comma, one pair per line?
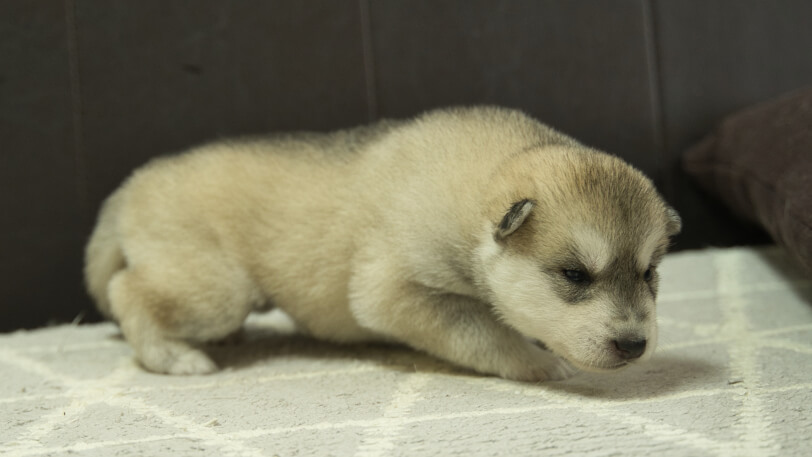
[732,377]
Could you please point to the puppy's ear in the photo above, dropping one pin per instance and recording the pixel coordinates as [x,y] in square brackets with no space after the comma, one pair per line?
[513,219]
[674,223]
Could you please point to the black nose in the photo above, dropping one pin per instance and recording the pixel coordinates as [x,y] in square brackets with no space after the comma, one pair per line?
[630,349]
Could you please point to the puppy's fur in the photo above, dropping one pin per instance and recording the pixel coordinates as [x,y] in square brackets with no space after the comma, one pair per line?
[477,235]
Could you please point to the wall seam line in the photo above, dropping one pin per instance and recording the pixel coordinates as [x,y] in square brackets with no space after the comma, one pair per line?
[653,65]
[369,60]
[80,156]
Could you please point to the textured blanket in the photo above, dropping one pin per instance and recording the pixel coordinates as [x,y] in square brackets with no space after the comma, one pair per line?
[732,377]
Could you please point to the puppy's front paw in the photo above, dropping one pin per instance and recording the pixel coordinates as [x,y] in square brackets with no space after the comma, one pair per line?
[542,365]
[561,370]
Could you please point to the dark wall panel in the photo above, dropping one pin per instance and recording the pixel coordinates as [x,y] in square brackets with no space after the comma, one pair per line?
[159,76]
[41,221]
[717,57]
[581,66]
[723,55]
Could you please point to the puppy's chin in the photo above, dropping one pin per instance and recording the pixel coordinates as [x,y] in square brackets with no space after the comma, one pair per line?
[597,363]
[601,363]
[600,368]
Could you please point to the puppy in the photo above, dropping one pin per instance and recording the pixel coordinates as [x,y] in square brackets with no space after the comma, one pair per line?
[477,235]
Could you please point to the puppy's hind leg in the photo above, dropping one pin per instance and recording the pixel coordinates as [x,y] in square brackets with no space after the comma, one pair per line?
[164,320]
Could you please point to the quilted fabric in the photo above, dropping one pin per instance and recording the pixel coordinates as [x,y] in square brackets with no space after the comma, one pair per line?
[732,377]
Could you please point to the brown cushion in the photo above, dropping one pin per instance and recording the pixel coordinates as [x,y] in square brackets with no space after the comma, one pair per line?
[759,163]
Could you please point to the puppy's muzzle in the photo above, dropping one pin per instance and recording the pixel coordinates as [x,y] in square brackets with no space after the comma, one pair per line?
[629,349]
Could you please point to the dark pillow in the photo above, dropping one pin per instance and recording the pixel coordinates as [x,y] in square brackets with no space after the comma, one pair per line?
[759,163]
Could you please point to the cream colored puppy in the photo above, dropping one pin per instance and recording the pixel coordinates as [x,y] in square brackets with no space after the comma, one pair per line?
[477,235]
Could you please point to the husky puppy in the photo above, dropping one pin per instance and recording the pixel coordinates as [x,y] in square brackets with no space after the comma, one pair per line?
[477,235]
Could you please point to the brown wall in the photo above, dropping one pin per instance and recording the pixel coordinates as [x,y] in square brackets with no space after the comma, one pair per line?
[89,89]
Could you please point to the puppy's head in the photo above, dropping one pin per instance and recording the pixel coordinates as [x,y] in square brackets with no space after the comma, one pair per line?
[572,262]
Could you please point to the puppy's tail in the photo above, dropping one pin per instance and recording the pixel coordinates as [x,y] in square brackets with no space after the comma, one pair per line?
[103,255]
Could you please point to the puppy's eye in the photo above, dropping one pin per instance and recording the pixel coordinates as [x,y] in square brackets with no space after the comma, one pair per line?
[648,274]
[576,276]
